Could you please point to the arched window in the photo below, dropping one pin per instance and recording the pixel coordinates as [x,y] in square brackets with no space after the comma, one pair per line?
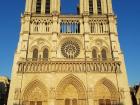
[38,6]
[91,7]
[47,9]
[104,54]
[45,54]
[99,6]
[35,54]
[94,54]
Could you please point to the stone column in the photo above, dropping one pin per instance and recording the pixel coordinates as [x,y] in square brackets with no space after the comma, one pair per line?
[104,7]
[54,36]
[33,6]
[95,7]
[81,6]
[58,6]
[86,9]
[86,34]
[43,6]
[28,7]
[110,9]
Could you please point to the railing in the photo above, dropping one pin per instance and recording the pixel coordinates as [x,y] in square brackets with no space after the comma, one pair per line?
[41,66]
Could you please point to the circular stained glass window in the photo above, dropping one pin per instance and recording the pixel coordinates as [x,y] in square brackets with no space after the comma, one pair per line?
[70,49]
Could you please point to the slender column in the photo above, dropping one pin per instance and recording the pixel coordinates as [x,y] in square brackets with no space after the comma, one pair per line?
[104,7]
[86,9]
[34,6]
[95,6]
[110,9]
[52,5]
[43,6]
[81,6]
[28,6]
[58,6]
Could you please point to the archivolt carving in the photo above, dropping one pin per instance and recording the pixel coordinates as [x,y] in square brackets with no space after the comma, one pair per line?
[105,89]
[35,91]
[74,81]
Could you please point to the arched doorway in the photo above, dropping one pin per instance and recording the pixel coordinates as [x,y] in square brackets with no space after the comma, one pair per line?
[70,91]
[35,94]
[105,93]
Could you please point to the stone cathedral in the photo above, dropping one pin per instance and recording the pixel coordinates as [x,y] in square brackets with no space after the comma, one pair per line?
[69,59]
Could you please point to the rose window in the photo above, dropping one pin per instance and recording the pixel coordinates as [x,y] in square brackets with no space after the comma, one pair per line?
[70,49]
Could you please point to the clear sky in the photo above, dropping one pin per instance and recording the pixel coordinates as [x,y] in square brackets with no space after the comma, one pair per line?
[128,13]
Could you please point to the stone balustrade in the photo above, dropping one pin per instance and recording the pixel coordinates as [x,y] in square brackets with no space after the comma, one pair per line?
[42,66]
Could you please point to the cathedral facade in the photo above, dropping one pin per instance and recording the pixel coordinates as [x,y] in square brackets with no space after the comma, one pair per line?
[69,59]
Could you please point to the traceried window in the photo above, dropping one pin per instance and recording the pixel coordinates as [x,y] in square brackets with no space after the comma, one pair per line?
[70,49]
[47,10]
[104,54]
[45,54]
[94,54]
[38,6]
[99,6]
[91,7]
[35,54]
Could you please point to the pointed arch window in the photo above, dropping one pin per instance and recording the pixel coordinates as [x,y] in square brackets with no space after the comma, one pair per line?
[99,6]
[35,54]
[47,9]
[91,7]
[104,54]
[38,6]
[94,54]
[45,54]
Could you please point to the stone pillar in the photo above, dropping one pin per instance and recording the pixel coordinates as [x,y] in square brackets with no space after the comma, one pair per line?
[43,6]
[110,9]
[28,7]
[95,6]
[104,7]
[55,7]
[58,6]
[54,36]
[86,34]
[81,6]
[85,7]
[33,6]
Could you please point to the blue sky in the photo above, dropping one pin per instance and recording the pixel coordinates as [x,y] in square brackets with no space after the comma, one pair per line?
[128,13]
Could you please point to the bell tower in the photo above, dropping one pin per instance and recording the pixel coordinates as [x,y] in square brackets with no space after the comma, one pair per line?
[69,59]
